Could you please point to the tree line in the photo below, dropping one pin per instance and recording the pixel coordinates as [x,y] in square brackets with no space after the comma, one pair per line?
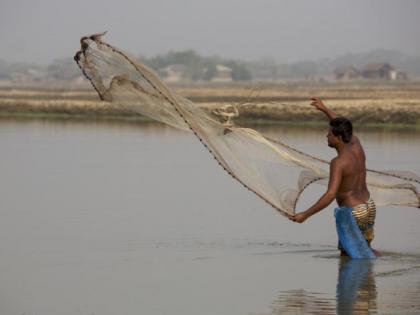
[204,68]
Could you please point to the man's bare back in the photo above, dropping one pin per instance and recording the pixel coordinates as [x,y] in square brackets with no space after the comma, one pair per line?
[352,190]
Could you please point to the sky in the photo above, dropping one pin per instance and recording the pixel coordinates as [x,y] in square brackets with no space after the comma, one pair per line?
[288,31]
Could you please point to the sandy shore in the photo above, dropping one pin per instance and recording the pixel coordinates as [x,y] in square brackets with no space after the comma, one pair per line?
[372,104]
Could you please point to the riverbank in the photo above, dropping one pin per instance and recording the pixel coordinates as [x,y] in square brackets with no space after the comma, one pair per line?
[368,105]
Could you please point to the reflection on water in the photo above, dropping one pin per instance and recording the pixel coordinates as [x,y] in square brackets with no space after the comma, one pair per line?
[356,288]
[357,291]
[303,302]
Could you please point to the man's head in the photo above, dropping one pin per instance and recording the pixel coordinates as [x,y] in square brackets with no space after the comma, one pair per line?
[341,130]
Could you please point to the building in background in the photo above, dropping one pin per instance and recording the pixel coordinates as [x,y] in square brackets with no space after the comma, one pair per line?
[173,73]
[222,74]
[346,73]
[383,71]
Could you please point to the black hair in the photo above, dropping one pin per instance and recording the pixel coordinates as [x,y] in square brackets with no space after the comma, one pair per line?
[341,126]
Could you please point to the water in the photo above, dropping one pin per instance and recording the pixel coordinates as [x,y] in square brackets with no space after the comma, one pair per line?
[101,218]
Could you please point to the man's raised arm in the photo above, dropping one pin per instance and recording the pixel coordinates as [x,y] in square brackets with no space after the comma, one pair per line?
[319,105]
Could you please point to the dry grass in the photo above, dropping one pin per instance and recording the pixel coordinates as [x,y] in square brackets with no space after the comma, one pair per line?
[364,103]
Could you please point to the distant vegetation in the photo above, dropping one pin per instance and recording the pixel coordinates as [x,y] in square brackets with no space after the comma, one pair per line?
[205,68]
[64,69]
[198,67]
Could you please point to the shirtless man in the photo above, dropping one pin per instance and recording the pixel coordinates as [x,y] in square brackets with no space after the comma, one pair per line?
[347,183]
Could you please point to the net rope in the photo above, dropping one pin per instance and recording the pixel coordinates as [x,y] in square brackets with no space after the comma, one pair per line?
[273,170]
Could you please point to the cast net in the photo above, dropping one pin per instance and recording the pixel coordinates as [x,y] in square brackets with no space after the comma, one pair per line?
[274,171]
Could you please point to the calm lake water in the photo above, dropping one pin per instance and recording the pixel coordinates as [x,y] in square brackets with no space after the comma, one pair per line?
[106,218]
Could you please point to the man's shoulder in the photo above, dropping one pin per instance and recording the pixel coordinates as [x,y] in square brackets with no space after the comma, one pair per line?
[338,161]
[357,146]
[355,140]
[341,161]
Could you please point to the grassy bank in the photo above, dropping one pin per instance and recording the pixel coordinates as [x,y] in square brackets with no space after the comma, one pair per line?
[368,105]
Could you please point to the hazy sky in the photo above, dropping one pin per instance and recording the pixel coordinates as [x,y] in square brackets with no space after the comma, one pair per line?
[40,31]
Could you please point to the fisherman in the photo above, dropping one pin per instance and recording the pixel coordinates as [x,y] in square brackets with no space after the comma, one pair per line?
[356,213]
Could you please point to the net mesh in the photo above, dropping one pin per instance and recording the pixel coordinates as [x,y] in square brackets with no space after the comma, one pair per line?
[275,171]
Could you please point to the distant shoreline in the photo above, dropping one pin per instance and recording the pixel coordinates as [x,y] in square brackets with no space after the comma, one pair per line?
[369,106]
[247,123]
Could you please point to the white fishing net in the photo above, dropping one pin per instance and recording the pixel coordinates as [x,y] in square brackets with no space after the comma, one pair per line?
[274,171]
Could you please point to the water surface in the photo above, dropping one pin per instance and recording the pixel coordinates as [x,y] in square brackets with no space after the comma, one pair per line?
[105,218]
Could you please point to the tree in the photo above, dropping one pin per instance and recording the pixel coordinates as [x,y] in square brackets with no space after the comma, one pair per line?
[239,71]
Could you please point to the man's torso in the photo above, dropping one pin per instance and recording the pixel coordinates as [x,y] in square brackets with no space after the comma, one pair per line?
[353,190]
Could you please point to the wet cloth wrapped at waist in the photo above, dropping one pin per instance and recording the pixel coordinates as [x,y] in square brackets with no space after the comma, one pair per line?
[351,236]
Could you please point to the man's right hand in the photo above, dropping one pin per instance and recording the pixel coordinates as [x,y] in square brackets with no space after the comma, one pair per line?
[298,217]
[318,104]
